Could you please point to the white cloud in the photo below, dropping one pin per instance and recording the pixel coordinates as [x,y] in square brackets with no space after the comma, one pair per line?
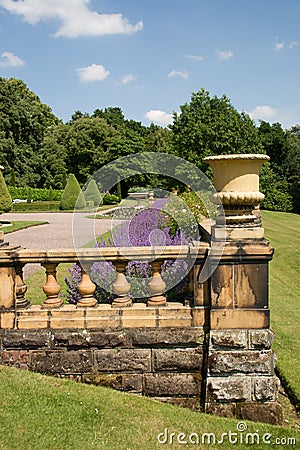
[128,78]
[225,54]
[177,73]
[160,117]
[263,112]
[95,72]
[75,16]
[279,45]
[194,57]
[8,59]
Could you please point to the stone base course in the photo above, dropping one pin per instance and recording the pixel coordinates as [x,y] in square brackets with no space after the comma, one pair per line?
[101,316]
[269,412]
[164,363]
[230,371]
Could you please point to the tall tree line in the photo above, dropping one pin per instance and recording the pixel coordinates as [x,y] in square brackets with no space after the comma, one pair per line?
[38,150]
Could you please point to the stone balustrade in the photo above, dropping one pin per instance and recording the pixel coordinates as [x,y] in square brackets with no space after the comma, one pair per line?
[17,311]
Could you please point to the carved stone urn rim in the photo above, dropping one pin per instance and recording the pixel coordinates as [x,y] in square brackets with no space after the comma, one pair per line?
[238,156]
[237,198]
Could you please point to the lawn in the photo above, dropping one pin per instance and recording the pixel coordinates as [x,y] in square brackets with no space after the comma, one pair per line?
[93,417]
[282,229]
[40,412]
[20,224]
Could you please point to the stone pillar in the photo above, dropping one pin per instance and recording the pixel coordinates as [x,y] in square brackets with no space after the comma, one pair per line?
[86,288]
[240,368]
[121,287]
[51,287]
[157,286]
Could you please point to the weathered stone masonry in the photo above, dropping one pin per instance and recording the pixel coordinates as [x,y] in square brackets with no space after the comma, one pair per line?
[161,363]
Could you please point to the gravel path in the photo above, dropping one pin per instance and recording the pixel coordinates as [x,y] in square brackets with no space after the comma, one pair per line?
[64,230]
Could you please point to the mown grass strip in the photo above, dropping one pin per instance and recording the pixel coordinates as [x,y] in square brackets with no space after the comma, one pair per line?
[41,412]
[282,229]
[20,225]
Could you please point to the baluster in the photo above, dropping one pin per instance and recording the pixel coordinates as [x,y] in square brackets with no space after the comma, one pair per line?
[121,287]
[21,288]
[157,286]
[86,288]
[51,288]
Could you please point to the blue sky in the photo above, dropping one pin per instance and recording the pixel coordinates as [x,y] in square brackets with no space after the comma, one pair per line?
[147,57]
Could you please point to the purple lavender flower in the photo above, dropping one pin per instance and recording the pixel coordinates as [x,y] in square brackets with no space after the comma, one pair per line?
[147,228]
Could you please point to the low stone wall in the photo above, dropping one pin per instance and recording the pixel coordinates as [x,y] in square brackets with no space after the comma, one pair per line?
[166,364]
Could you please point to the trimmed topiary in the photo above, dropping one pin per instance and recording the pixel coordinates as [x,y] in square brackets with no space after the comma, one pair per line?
[72,197]
[5,198]
[80,202]
[92,194]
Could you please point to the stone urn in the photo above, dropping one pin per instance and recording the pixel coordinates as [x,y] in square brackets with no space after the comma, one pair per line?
[236,180]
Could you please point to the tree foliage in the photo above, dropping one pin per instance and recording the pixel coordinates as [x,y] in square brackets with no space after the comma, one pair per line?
[5,198]
[281,180]
[23,121]
[276,190]
[212,126]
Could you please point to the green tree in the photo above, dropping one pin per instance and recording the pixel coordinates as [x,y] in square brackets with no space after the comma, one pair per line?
[283,147]
[12,178]
[54,155]
[211,126]
[276,190]
[5,198]
[72,197]
[293,171]
[276,144]
[23,121]
[87,141]
[113,115]
[92,194]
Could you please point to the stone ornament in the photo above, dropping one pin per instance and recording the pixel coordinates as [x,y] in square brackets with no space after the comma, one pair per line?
[236,178]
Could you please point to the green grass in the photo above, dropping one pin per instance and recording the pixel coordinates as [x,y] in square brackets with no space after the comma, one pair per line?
[282,229]
[20,224]
[40,412]
[45,412]
[36,282]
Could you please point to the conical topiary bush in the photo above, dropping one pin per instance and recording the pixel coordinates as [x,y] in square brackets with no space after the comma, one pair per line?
[5,198]
[72,197]
[92,193]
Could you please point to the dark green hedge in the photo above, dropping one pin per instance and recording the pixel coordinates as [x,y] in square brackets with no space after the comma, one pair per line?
[36,194]
[36,206]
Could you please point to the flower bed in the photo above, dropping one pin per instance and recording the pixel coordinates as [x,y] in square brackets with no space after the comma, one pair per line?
[148,227]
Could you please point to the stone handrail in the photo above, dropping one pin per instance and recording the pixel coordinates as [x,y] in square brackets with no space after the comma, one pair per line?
[14,288]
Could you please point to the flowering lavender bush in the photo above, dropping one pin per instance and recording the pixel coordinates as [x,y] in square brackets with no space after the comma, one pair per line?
[147,228]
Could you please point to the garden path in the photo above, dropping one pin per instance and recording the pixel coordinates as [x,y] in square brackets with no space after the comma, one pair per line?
[58,233]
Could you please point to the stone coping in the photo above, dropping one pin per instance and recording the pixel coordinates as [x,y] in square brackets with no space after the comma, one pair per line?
[23,256]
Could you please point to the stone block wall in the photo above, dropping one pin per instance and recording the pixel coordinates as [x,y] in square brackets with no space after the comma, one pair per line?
[241,380]
[166,364]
